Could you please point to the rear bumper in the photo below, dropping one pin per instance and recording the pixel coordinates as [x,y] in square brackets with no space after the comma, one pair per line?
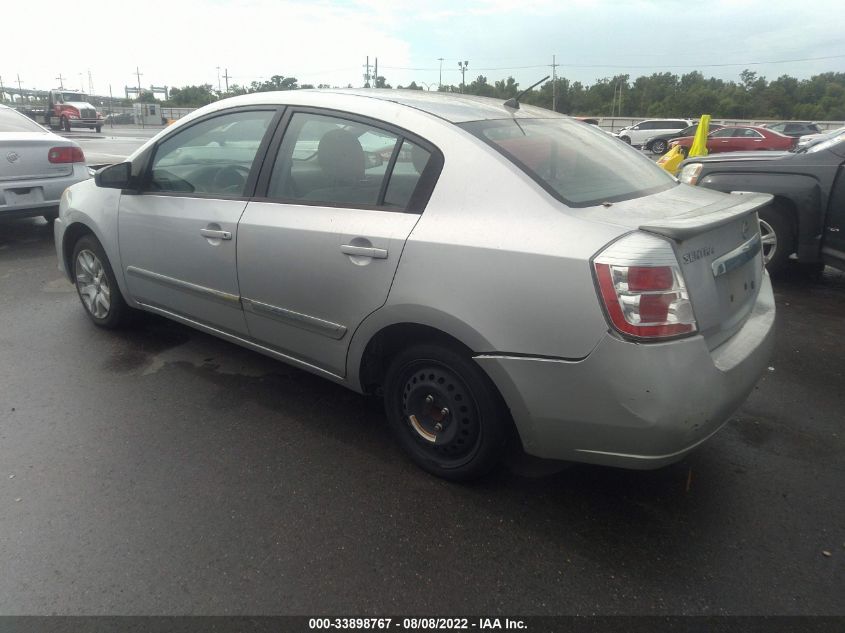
[634,405]
[23,198]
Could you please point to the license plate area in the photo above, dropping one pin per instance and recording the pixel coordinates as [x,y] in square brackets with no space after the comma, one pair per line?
[16,196]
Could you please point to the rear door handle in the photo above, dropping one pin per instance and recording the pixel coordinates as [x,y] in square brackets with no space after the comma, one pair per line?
[364,251]
[216,235]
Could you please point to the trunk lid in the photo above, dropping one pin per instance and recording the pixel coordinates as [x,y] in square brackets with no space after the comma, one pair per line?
[23,156]
[716,238]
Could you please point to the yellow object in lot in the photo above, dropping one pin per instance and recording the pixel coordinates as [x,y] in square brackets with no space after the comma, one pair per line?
[671,159]
[699,143]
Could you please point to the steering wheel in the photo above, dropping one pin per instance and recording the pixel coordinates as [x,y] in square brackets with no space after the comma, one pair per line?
[230,179]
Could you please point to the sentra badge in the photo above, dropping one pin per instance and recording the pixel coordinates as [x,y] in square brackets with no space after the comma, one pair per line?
[698,253]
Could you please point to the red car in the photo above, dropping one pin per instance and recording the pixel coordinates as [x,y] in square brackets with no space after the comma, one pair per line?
[743,138]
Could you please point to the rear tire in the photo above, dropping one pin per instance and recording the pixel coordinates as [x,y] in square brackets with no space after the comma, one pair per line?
[98,128]
[626,139]
[445,412]
[778,239]
[96,284]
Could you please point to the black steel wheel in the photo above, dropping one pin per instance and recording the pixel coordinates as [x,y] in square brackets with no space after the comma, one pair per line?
[658,147]
[445,412]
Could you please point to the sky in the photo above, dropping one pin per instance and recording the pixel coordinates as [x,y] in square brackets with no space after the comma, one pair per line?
[183,42]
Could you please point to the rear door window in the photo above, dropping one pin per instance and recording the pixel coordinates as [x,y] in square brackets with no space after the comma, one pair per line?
[328,160]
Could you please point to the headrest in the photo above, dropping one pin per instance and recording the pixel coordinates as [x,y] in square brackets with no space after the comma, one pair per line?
[341,157]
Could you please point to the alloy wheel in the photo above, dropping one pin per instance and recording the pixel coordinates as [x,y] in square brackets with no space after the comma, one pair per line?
[769,240]
[92,284]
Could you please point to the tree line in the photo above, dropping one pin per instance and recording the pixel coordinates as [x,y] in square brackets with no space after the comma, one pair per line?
[820,98]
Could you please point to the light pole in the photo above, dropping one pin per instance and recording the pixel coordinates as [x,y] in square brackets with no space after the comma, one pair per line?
[463,66]
[440,80]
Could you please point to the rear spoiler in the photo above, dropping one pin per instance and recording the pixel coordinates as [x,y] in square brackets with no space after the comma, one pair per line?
[710,217]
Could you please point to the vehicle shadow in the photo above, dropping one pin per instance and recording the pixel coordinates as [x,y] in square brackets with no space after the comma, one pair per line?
[18,236]
[581,506]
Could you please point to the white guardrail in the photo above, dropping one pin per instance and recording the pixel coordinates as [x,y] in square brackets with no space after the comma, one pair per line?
[613,124]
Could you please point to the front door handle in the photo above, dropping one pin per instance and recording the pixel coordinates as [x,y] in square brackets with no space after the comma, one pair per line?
[364,251]
[215,234]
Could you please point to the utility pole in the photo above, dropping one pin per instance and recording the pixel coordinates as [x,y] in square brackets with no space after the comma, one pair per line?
[219,87]
[90,83]
[554,84]
[226,77]
[81,84]
[440,80]
[61,81]
[138,74]
[367,75]
[20,90]
[2,90]
[111,99]
[375,72]
[463,66]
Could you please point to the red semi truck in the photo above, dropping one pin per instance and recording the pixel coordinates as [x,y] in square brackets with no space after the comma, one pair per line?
[70,109]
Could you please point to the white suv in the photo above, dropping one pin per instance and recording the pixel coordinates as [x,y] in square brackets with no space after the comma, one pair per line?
[637,134]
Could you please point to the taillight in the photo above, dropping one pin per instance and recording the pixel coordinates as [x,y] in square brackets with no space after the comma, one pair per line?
[643,289]
[66,155]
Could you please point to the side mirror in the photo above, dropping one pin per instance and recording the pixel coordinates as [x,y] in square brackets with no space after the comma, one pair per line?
[114,176]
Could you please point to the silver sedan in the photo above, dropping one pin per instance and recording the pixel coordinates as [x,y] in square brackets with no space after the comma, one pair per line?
[35,167]
[500,274]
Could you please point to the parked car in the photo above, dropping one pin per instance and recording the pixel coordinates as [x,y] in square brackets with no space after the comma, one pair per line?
[119,118]
[807,217]
[809,140]
[638,134]
[658,145]
[794,128]
[509,274]
[741,138]
[35,167]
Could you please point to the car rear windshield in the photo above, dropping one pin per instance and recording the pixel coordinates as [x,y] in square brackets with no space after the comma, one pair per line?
[576,163]
[13,121]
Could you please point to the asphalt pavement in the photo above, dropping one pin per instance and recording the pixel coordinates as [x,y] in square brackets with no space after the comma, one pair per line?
[158,470]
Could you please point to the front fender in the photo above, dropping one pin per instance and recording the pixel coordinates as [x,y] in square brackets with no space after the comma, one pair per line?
[95,208]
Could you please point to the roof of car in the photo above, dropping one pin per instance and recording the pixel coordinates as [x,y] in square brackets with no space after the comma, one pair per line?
[456,108]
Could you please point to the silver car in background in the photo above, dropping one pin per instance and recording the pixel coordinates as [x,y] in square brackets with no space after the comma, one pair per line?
[498,274]
[36,166]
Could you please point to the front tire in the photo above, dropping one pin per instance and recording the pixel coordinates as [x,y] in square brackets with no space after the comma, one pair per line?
[98,128]
[658,148]
[777,238]
[96,284]
[625,139]
[445,412]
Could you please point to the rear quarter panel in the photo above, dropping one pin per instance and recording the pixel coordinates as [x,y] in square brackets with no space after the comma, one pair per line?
[497,263]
